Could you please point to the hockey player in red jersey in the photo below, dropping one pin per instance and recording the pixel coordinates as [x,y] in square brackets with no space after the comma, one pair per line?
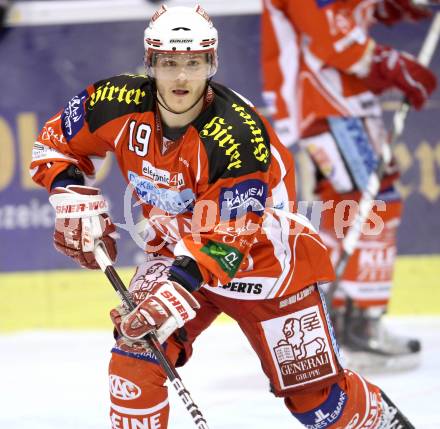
[217,191]
[322,73]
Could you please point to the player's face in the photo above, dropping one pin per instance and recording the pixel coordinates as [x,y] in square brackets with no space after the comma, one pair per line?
[181,78]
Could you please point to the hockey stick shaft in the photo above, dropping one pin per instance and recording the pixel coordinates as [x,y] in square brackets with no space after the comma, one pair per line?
[368,196]
[108,269]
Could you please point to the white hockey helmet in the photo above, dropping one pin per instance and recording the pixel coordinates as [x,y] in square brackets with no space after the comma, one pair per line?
[180,30]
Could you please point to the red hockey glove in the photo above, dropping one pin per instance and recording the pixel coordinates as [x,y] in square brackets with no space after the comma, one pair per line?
[81,220]
[393,69]
[167,308]
[391,11]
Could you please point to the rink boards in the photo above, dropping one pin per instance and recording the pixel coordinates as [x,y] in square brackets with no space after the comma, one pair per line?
[81,299]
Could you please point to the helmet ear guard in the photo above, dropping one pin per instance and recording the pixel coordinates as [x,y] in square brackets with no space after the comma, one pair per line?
[180,30]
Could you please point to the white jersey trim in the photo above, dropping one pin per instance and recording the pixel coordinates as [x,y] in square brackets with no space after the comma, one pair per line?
[277,230]
[289,65]
[139,411]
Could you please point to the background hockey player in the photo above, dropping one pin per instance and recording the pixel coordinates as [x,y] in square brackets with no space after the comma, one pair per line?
[322,73]
[216,187]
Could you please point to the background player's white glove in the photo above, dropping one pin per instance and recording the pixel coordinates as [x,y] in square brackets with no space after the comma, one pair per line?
[167,308]
[81,221]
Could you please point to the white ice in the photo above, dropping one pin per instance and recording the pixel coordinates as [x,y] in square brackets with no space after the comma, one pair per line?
[54,380]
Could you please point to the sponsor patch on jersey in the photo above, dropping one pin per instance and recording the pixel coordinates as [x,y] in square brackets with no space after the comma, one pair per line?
[49,134]
[120,421]
[41,151]
[111,93]
[297,297]
[226,256]
[163,177]
[234,136]
[244,287]
[246,196]
[324,3]
[220,132]
[72,118]
[124,389]
[300,348]
[260,145]
[328,413]
[238,232]
[170,201]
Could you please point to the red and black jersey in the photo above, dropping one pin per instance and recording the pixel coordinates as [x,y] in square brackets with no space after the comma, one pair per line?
[221,194]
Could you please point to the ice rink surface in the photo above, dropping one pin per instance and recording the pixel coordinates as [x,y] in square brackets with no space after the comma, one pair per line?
[53,380]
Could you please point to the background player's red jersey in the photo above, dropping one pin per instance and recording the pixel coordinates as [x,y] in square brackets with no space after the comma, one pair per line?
[310,57]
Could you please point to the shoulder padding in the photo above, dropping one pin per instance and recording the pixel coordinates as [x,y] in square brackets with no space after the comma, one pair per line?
[117,96]
[234,136]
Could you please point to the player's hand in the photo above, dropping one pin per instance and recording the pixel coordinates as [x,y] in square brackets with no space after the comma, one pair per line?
[392,11]
[167,308]
[81,221]
[394,69]
[138,346]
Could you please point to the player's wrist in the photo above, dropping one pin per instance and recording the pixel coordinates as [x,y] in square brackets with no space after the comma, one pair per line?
[186,272]
[72,175]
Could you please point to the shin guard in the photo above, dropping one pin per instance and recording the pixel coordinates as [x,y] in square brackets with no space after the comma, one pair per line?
[139,398]
[351,403]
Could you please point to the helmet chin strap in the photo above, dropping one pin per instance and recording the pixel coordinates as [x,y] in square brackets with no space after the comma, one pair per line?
[166,107]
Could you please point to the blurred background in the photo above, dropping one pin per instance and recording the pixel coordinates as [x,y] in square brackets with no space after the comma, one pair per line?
[49,52]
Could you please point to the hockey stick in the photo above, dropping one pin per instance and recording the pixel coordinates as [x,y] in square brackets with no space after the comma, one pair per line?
[368,196]
[106,266]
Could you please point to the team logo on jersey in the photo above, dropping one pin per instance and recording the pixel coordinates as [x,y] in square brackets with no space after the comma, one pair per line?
[236,201]
[226,256]
[328,413]
[113,93]
[300,348]
[72,118]
[168,200]
[124,389]
[163,177]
